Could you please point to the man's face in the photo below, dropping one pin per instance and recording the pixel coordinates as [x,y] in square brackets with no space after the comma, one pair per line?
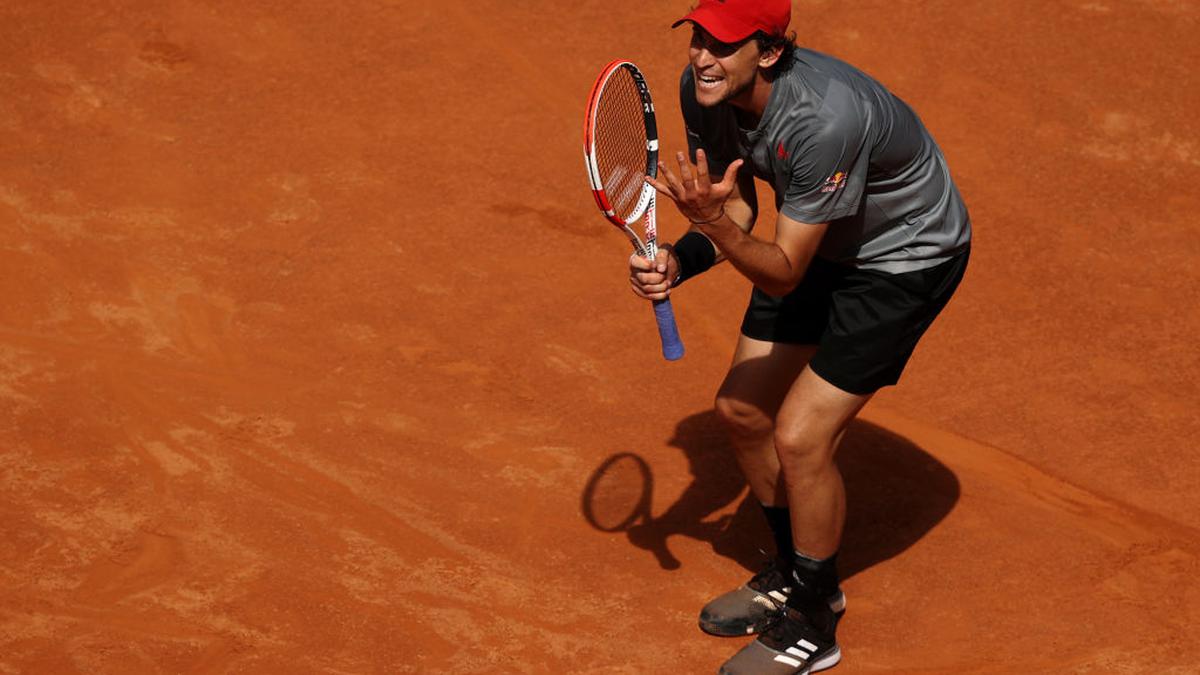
[722,71]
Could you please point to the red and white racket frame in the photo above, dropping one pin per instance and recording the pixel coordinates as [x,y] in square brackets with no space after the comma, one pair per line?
[645,204]
[644,208]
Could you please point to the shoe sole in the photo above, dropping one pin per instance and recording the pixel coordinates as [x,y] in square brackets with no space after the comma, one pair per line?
[783,660]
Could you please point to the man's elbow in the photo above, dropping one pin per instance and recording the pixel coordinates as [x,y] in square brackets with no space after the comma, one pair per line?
[797,268]
[779,289]
[788,283]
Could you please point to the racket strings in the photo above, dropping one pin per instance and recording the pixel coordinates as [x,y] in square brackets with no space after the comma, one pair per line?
[621,153]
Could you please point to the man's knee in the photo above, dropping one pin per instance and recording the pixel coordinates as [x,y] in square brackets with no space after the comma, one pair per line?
[743,419]
[803,451]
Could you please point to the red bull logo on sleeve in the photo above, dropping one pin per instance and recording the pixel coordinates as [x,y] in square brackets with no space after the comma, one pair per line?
[835,182]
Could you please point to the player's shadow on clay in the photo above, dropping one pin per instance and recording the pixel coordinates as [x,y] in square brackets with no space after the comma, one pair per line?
[895,491]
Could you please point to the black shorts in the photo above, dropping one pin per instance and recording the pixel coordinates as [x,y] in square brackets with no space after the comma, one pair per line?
[865,323]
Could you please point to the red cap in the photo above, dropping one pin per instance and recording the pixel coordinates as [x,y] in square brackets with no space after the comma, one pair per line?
[735,20]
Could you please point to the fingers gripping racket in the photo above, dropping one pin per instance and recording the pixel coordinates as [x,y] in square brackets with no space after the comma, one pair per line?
[620,145]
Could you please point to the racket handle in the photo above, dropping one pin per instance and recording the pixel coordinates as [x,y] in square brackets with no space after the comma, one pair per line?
[672,346]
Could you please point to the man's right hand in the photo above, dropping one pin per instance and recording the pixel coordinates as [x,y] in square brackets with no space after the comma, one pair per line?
[652,279]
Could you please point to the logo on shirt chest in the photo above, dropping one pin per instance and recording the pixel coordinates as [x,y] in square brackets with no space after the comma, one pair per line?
[835,182]
[780,151]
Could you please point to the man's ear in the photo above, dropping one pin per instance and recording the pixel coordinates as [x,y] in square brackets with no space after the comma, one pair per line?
[769,57]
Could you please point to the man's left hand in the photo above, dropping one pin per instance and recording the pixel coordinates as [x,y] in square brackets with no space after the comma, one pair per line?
[695,195]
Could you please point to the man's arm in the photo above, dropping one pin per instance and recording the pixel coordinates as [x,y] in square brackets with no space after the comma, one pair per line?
[776,266]
[653,279]
[741,206]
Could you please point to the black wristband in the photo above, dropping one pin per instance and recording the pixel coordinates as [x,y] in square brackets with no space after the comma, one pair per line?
[695,254]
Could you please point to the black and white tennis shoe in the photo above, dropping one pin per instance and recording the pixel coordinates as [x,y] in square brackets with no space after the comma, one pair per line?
[792,645]
[751,607]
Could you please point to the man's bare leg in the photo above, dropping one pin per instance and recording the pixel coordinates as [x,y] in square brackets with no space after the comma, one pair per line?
[760,377]
[810,425]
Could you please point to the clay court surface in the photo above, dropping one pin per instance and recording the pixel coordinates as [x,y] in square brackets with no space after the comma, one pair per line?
[311,341]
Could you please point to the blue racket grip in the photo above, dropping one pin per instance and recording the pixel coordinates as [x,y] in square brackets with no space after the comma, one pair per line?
[667,330]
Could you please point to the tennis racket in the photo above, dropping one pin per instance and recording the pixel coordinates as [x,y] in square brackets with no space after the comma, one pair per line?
[620,146]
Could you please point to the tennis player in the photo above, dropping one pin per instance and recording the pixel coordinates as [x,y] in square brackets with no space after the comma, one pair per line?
[871,240]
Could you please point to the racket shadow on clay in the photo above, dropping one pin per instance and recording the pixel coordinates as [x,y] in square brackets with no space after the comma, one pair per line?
[619,493]
[618,496]
[896,493]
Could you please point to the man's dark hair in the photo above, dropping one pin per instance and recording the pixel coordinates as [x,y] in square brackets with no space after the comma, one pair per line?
[785,43]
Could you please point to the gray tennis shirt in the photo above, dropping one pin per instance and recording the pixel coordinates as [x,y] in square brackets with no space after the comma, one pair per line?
[840,148]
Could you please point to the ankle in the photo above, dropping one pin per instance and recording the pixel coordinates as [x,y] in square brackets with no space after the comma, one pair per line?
[815,577]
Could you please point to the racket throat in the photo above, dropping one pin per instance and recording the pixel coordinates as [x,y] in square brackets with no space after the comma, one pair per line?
[650,222]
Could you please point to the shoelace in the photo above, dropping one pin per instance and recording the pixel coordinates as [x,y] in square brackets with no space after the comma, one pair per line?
[774,620]
[771,569]
[800,627]
[771,578]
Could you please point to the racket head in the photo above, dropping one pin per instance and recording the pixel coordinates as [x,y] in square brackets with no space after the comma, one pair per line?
[620,143]
[619,493]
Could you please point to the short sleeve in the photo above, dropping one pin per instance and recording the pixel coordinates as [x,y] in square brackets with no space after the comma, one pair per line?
[828,167]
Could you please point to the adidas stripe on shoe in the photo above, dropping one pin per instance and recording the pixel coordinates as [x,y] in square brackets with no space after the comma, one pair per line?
[790,646]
